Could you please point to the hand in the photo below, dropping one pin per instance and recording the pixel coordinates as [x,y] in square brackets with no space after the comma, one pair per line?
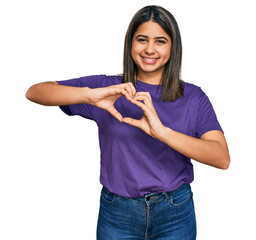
[105,97]
[150,122]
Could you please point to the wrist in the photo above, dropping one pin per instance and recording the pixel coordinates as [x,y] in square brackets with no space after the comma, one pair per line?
[163,133]
[86,95]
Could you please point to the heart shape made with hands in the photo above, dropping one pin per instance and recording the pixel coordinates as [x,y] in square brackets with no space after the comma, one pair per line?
[149,122]
[137,111]
[127,108]
[139,106]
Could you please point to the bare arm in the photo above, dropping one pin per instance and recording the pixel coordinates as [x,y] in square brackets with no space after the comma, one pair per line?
[54,94]
[210,149]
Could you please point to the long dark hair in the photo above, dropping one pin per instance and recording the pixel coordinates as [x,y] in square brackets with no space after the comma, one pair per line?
[172,87]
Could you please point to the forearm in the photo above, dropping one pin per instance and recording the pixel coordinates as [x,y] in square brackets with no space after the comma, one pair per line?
[209,152]
[53,94]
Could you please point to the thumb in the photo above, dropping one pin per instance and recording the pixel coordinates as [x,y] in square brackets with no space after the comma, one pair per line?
[115,113]
[131,121]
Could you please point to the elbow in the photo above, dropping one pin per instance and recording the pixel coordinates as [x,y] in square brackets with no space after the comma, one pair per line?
[32,94]
[224,158]
[29,94]
[39,92]
[225,163]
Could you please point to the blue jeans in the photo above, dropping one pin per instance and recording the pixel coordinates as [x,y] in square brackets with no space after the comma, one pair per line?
[159,216]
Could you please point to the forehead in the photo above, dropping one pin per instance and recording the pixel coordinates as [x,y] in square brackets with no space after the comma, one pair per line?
[151,29]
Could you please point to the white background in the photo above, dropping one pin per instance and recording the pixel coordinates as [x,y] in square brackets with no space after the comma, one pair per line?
[50,163]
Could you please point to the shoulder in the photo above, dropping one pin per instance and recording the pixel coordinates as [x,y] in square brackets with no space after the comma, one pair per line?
[196,95]
[192,90]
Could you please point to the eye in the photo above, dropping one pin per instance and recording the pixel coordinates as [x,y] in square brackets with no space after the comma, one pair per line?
[161,41]
[141,40]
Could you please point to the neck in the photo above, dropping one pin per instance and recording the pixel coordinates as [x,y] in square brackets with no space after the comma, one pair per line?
[150,78]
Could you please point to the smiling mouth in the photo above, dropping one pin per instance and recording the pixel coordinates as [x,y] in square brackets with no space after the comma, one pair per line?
[149,60]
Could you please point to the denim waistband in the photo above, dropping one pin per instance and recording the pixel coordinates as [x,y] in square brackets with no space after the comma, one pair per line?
[153,197]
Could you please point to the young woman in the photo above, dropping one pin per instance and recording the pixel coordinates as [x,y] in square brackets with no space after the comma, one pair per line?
[151,123]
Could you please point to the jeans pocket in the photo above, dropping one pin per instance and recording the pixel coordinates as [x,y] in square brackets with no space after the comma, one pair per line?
[180,198]
[107,196]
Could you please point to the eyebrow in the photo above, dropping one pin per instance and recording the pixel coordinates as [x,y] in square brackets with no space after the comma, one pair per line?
[145,36]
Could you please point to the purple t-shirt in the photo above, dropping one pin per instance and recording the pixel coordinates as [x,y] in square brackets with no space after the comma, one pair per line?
[132,162]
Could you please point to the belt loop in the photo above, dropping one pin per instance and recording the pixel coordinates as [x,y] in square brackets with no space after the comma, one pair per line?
[166,196]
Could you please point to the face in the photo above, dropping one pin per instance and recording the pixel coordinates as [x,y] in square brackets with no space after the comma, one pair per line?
[151,49]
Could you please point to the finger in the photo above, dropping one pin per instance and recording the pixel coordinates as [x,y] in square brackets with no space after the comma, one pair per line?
[139,104]
[115,114]
[147,109]
[145,99]
[127,95]
[133,90]
[129,88]
[131,121]
[117,91]
[143,94]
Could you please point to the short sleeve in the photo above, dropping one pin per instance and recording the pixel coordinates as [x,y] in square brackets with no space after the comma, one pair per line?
[84,110]
[206,117]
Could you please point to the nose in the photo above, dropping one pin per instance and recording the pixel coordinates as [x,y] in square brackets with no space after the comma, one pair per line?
[150,48]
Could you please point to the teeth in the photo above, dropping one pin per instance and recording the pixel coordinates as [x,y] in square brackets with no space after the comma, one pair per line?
[150,59]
